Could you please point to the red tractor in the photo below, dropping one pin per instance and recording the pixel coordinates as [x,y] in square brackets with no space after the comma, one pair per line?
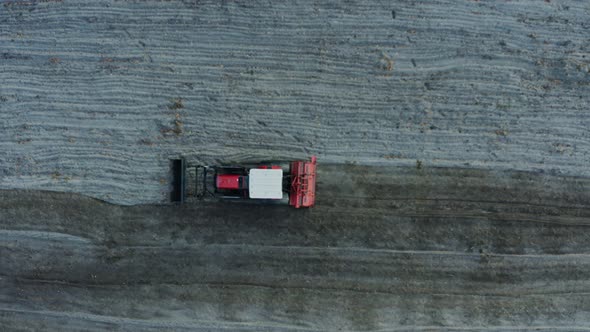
[290,183]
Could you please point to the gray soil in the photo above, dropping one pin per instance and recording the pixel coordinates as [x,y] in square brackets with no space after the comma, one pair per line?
[452,136]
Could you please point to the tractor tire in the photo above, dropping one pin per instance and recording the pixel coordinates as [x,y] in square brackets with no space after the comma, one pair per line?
[285,165]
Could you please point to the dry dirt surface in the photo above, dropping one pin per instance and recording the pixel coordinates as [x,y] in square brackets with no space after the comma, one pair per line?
[453,148]
[386,249]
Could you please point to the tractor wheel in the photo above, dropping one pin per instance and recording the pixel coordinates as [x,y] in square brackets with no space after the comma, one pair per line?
[285,165]
[284,200]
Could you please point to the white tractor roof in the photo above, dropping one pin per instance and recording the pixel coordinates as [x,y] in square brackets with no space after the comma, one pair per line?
[266,183]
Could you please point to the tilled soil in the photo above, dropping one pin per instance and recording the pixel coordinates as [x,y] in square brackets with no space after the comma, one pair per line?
[386,248]
[453,148]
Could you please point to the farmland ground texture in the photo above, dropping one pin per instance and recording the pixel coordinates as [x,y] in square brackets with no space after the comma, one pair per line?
[452,137]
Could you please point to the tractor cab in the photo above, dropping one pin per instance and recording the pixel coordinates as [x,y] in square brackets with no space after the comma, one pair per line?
[259,183]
